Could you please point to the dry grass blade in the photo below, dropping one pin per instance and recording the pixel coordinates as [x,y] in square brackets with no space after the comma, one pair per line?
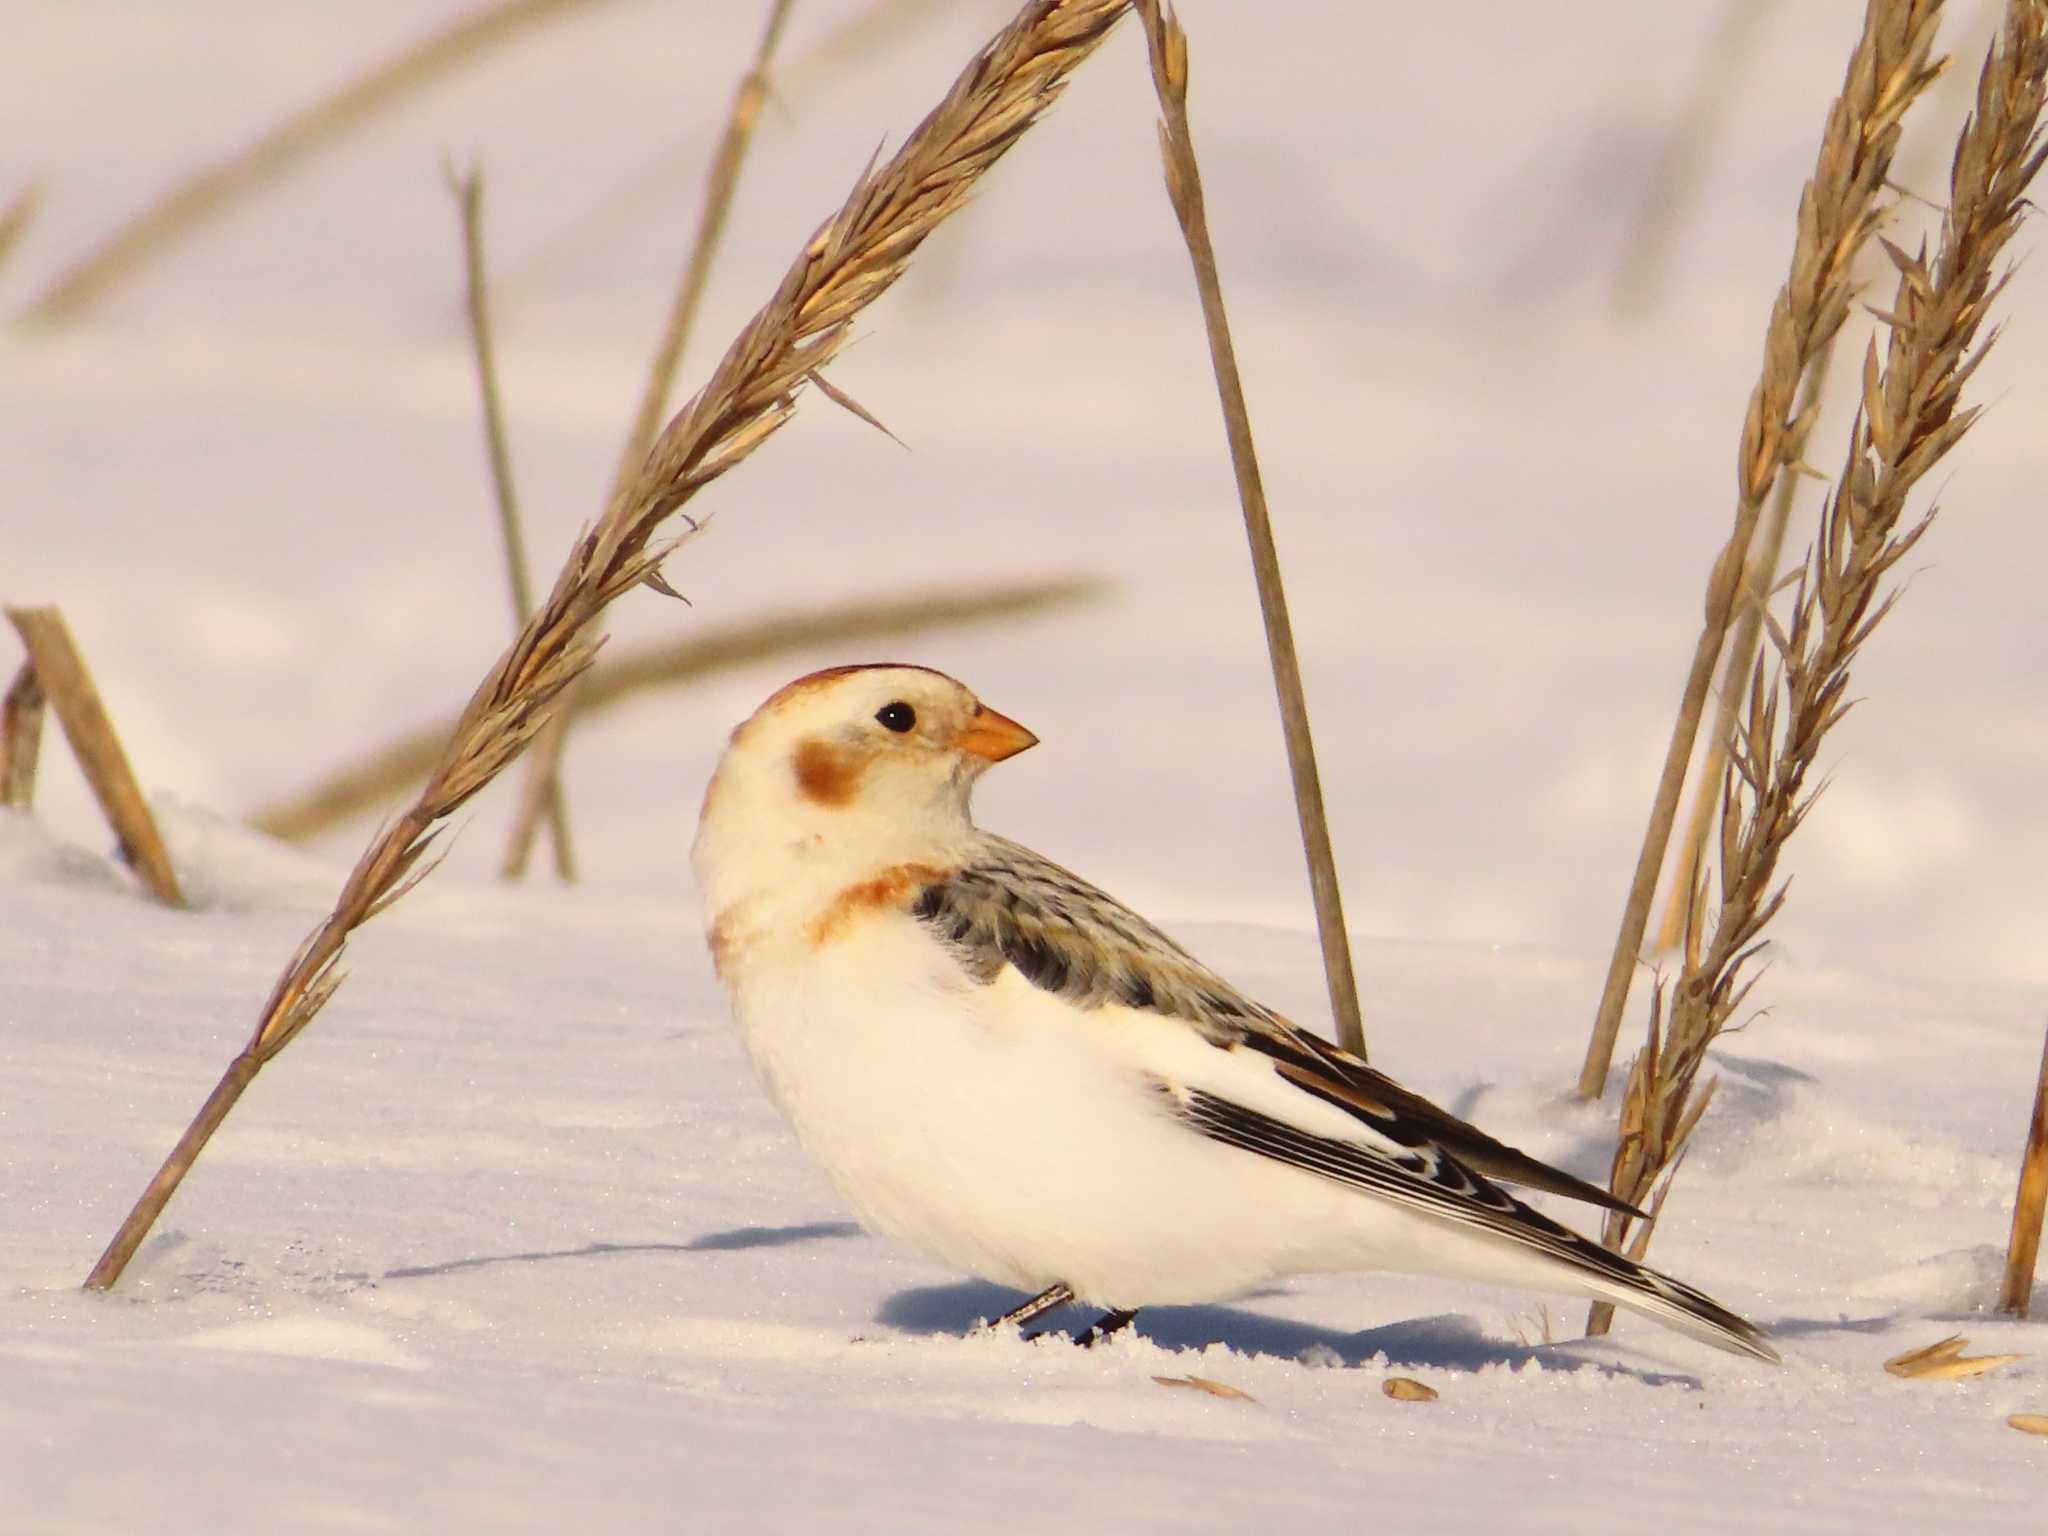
[62,678]
[1673,185]
[543,778]
[1168,52]
[469,201]
[1406,1389]
[1759,580]
[1944,1360]
[1209,1385]
[208,192]
[1840,209]
[2016,1292]
[401,765]
[21,737]
[851,260]
[1912,415]
[15,219]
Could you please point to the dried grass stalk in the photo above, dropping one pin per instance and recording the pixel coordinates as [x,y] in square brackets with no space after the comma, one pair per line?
[544,770]
[853,259]
[401,765]
[469,202]
[208,192]
[15,219]
[1168,51]
[21,737]
[1759,580]
[2016,1293]
[1841,207]
[61,676]
[1911,416]
[1674,183]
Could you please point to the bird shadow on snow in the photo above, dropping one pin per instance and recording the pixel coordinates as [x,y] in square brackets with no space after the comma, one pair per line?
[710,1242]
[1448,1342]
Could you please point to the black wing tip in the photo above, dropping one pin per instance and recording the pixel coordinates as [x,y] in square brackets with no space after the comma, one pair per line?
[1713,1323]
[1575,1188]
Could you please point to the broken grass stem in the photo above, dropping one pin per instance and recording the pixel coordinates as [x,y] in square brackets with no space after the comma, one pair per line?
[2029,1205]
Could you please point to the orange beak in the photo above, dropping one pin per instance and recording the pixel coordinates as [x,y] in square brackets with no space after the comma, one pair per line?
[993,737]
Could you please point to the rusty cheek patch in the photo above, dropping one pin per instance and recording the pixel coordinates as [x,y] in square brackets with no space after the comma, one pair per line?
[824,775]
[886,890]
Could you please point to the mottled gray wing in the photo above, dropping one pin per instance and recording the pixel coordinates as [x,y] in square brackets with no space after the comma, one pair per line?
[1427,1181]
[1013,907]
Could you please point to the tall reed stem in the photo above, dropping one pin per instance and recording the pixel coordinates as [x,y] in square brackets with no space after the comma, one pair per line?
[1839,210]
[1911,417]
[1759,577]
[1168,51]
[543,771]
[469,201]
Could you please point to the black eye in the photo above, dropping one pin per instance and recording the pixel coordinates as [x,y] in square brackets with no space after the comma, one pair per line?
[897,717]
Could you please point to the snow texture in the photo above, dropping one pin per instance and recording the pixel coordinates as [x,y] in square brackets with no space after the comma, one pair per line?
[510,1241]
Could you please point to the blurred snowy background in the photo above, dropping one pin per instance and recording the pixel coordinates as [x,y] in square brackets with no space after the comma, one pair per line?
[253,476]
[511,1242]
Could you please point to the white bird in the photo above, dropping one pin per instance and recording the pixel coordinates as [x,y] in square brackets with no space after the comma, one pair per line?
[999,1064]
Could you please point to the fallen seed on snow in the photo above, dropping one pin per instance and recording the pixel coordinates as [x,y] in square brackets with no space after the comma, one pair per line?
[1205,1384]
[2029,1423]
[1944,1360]
[1406,1389]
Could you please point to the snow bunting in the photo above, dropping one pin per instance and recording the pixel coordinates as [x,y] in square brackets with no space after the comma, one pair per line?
[996,1062]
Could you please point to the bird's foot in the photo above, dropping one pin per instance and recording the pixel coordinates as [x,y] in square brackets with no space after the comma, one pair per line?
[1110,1322]
[1052,1296]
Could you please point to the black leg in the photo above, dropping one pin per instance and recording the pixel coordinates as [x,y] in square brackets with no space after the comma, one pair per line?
[1105,1325]
[1052,1296]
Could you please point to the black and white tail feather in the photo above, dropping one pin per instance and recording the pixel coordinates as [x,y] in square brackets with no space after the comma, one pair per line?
[1014,908]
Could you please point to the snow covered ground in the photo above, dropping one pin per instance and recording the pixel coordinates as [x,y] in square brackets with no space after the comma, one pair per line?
[510,1241]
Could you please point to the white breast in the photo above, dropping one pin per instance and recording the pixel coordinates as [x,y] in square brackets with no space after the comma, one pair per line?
[1007,1133]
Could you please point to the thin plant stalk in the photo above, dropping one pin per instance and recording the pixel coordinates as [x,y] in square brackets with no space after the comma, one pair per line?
[1840,209]
[2016,1294]
[207,193]
[1674,183]
[1168,51]
[469,202]
[21,737]
[1759,579]
[543,772]
[854,257]
[61,677]
[14,221]
[1910,417]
